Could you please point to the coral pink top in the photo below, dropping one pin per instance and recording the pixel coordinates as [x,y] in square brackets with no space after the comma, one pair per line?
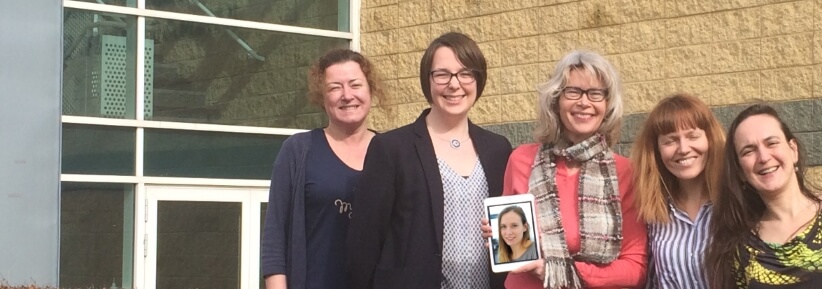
[628,270]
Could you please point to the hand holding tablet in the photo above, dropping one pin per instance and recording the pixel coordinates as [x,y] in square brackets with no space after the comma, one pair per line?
[514,241]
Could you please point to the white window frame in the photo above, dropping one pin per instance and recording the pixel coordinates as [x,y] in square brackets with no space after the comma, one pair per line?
[143,184]
[250,197]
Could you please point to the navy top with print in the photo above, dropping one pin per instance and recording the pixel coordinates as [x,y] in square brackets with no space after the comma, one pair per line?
[329,186]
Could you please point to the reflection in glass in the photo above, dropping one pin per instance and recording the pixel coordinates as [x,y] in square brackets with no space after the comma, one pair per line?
[96,235]
[177,153]
[198,245]
[129,3]
[222,75]
[98,70]
[96,149]
[320,14]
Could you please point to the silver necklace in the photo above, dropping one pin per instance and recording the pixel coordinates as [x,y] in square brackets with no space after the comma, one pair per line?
[455,143]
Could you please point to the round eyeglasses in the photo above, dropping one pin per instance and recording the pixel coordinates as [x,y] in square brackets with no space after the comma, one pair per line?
[444,77]
[594,94]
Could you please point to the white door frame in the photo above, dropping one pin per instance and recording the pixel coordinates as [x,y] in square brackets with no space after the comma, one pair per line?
[250,197]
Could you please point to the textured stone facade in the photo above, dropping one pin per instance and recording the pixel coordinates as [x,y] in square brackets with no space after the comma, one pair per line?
[728,53]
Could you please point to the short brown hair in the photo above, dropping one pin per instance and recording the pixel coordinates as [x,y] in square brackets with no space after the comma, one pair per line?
[316,75]
[467,52]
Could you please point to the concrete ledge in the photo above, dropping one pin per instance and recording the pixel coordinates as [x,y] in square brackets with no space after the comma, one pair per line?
[517,132]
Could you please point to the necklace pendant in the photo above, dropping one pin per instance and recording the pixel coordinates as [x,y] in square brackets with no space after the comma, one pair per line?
[455,143]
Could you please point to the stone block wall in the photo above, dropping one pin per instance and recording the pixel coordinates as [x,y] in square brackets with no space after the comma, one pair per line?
[728,53]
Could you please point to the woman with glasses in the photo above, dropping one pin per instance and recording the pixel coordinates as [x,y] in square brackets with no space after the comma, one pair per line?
[423,184]
[589,231]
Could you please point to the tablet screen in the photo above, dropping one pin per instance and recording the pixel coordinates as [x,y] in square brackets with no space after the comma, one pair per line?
[513,240]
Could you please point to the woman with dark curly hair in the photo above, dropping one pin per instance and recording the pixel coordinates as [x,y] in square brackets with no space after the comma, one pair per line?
[766,227]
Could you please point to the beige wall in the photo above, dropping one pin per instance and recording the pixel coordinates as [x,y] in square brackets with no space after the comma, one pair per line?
[815,176]
[726,52]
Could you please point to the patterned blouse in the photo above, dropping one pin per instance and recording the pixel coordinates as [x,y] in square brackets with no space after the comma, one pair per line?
[796,264]
[465,261]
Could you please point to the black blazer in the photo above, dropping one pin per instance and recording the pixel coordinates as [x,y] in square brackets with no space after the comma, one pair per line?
[395,235]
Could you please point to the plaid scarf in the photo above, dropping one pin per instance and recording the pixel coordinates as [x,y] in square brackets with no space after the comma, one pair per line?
[599,209]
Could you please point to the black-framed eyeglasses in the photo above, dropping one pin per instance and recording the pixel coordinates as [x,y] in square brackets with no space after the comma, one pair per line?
[594,94]
[464,76]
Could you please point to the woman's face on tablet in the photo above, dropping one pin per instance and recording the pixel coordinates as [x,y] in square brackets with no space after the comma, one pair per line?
[512,228]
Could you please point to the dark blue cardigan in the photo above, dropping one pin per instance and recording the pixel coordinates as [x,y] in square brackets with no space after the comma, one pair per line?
[284,245]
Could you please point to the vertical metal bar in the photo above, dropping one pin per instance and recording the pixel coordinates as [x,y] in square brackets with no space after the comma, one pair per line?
[354,19]
[140,236]
[140,66]
[126,280]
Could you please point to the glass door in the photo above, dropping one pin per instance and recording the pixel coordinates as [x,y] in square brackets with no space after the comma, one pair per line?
[203,237]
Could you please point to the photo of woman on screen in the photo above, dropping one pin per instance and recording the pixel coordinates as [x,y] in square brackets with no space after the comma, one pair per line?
[516,244]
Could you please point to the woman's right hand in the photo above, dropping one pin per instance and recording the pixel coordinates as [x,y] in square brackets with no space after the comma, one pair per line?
[485,227]
[536,267]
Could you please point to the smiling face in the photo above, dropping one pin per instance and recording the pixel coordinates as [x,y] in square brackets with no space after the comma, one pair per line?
[347,98]
[684,152]
[512,230]
[582,118]
[766,157]
[453,98]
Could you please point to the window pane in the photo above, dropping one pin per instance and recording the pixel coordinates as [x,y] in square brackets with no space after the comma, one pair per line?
[198,245]
[176,153]
[320,14]
[98,70]
[96,235]
[95,149]
[215,74]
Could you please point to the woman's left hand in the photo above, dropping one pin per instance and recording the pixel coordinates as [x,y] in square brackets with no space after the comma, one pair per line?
[485,227]
[536,267]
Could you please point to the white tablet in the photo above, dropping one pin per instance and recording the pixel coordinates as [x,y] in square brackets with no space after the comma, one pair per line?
[513,239]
